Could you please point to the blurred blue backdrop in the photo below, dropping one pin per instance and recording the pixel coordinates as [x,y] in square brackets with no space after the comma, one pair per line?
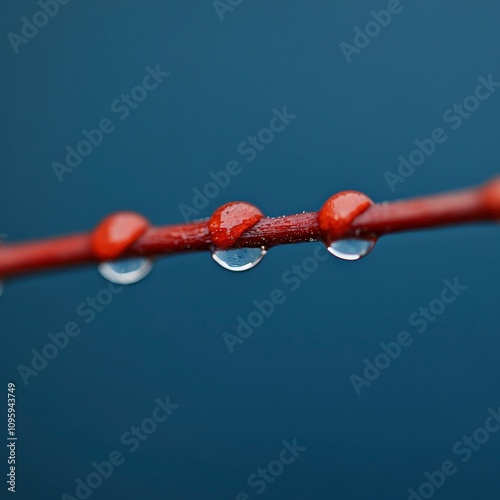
[230,64]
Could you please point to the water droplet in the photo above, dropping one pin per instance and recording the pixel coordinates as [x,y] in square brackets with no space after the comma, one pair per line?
[2,289]
[239,259]
[126,271]
[351,248]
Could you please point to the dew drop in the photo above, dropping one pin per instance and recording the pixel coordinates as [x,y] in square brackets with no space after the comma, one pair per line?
[239,259]
[351,248]
[126,271]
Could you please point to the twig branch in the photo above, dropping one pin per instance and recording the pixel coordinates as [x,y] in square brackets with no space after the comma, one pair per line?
[237,225]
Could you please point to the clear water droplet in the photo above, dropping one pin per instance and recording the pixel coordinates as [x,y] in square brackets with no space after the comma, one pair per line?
[126,271]
[351,248]
[239,259]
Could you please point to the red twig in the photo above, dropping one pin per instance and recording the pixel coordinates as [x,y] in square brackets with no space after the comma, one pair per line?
[236,225]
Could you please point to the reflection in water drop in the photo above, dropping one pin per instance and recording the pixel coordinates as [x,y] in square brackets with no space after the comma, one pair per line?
[126,271]
[351,248]
[239,259]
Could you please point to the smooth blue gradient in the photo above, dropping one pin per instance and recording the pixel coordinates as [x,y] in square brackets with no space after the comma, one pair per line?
[289,379]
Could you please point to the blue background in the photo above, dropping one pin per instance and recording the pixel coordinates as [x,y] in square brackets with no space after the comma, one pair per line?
[163,336]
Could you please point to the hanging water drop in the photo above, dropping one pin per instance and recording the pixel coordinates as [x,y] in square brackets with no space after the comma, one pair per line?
[351,248]
[126,271]
[239,259]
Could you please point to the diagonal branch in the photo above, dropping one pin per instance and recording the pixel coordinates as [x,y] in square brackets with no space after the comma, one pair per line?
[127,234]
